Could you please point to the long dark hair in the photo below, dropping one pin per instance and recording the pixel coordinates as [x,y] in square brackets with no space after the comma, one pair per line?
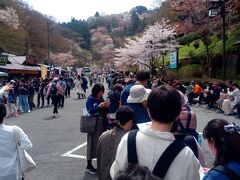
[227,143]
[98,87]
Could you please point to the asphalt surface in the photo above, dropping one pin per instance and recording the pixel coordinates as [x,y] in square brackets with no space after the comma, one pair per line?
[54,140]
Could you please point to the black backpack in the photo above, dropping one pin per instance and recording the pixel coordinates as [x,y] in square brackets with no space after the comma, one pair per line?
[186,134]
[187,130]
[53,90]
[165,159]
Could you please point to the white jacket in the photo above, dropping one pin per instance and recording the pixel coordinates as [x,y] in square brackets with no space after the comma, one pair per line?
[150,145]
[9,168]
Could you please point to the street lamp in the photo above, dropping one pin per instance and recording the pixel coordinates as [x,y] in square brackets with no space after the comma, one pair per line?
[215,5]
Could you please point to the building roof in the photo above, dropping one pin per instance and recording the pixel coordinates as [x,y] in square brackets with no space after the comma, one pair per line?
[20,67]
[13,59]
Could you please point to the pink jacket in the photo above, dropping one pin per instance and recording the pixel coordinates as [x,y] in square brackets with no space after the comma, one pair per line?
[184,115]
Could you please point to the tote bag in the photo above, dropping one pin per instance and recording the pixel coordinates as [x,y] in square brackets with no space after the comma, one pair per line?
[88,122]
[26,162]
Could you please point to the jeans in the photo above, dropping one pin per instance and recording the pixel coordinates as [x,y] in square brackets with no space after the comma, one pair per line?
[61,100]
[67,91]
[40,97]
[23,101]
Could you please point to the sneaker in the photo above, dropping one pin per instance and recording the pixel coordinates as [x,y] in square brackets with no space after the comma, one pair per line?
[91,170]
[57,115]
[196,105]
[219,111]
[53,115]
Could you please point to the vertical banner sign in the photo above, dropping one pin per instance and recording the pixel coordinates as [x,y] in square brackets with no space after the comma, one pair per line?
[44,71]
[173,60]
[52,71]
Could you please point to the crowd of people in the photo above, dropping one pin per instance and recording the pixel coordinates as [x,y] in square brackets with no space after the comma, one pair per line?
[144,129]
[151,128]
[27,95]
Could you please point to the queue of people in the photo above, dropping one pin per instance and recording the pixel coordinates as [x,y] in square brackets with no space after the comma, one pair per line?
[137,130]
[129,145]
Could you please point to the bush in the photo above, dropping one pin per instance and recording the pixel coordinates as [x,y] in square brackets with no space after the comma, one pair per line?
[191,71]
[173,73]
[188,38]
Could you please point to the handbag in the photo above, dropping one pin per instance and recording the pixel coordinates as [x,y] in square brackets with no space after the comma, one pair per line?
[88,122]
[25,161]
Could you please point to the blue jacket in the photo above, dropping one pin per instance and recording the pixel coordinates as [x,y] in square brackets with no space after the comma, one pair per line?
[85,83]
[11,97]
[216,175]
[140,114]
[125,94]
[92,105]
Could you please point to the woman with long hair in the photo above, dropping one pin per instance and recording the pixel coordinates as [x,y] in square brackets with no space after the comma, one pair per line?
[224,143]
[96,107]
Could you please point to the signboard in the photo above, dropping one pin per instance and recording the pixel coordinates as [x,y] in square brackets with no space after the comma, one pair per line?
[3,59]
[44,71]
[173,60]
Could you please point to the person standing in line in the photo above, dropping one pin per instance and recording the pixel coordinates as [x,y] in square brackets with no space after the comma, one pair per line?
[63,85]
[137,100]
[96,107]
[142,78]
[164,106]
[41,93]
[31,91]
[109,140]
[11,101]
[68,88]
[53,91]
[23,96]
[224,143]
[48,82]
[9,166]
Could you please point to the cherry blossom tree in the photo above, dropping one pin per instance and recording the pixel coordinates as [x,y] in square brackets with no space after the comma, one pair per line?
[9,17]
[147,49]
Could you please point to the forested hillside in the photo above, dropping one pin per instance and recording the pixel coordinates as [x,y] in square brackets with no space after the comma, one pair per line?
[25,31]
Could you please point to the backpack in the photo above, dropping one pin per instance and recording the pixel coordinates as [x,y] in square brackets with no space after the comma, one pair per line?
[186,134]
[165,159]
[187,130]
[53,90]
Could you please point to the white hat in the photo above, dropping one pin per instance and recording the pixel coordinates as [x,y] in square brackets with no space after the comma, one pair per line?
[138,94]
[184,98]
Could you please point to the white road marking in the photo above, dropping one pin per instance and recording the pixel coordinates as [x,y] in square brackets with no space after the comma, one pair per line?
[70,153]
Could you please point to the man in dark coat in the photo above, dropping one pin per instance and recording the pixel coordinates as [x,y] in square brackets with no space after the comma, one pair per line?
[109,140]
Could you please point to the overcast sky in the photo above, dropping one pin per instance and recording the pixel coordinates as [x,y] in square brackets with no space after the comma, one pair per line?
[63,10]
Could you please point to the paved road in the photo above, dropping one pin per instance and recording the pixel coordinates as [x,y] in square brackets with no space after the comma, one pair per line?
[54,137]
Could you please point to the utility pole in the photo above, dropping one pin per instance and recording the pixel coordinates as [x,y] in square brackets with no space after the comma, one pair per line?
[223,15]
[214,11]
[48,43]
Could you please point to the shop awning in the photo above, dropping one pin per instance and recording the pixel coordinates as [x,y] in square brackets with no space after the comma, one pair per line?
[3,74]
[20,69]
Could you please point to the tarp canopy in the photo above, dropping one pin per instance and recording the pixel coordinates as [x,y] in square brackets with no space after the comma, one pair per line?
[3,74]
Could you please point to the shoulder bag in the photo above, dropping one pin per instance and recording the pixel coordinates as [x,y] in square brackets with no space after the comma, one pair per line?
[25,161]
[88,122]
